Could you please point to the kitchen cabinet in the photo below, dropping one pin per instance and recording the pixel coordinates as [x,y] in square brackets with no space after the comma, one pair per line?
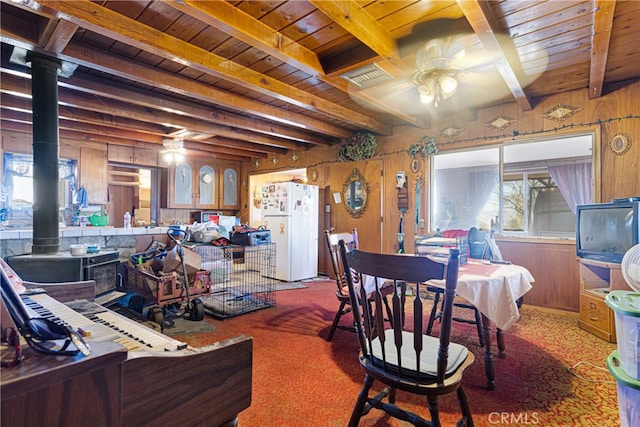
[132,155]
[93,174]
[203,185]
[229,186]
[193,185]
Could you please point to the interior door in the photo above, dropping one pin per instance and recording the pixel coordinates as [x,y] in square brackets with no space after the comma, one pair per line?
[369,224]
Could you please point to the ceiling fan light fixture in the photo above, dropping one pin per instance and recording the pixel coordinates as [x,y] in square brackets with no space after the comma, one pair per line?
[448,85]
[436,84]
[426,92]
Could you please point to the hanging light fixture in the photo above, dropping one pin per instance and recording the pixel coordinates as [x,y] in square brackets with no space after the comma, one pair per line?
[174,150]
[436,78]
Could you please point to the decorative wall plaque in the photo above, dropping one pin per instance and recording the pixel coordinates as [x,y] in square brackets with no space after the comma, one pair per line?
[415,165]
[620,143]
[561,112]
[500,122]
[450,131]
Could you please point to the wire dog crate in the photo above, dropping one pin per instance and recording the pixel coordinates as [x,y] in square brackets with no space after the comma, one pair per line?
[241,278]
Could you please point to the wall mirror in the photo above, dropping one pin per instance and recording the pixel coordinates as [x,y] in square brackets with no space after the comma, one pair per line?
[354,194]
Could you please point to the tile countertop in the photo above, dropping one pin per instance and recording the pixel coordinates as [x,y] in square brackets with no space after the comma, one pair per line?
[85,231]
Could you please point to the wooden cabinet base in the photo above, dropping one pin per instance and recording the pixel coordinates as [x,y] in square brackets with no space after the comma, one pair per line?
[596,317]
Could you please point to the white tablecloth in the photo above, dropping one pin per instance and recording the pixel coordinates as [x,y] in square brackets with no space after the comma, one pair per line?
[494,294]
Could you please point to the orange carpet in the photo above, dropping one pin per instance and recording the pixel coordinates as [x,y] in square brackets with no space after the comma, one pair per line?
[300,379]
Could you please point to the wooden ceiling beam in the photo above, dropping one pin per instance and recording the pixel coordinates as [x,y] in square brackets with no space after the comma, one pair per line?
[602,24]
[481,19]
[112,64]
[57,35]
[109,23]
[111,90]
[225,144]
[84,137]
[354,19]
[92,117]
[71,98]
[107,131]
[102,61]
[242,26]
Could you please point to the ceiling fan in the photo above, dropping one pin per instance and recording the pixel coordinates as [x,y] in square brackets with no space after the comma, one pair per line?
[444,68]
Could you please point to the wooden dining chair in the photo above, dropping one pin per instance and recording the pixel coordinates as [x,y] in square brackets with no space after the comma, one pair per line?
[342,292]
[401,355]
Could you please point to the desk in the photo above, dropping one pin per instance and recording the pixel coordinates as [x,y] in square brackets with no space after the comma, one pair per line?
[493,289]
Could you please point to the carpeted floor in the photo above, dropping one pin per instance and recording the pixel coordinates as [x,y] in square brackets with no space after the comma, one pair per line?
[300,379]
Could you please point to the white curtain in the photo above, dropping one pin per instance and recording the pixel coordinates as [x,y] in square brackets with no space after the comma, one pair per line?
[461,195]
[574,182]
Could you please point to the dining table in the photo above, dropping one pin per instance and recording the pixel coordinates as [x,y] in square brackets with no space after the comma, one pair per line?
[495,290]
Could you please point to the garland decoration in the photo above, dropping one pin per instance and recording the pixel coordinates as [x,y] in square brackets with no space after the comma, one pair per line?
[425,147]
[512,136]
[359,146]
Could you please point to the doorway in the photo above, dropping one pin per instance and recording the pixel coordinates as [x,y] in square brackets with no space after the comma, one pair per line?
[255,211]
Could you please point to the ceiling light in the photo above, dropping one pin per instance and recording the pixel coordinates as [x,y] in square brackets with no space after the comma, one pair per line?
[436,78]
[173,150]
[435,85]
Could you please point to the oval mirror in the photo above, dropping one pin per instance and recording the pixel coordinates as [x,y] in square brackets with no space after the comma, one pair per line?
[354,194]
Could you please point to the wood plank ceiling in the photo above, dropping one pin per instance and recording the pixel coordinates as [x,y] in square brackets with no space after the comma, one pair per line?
[243,79]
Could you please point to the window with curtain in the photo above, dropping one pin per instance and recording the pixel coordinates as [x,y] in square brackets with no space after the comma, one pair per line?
[17,182]
[536,194]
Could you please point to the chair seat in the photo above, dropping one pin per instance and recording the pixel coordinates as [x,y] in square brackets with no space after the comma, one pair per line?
[428,358]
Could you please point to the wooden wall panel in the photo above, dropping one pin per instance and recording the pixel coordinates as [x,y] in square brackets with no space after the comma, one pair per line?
[554,267]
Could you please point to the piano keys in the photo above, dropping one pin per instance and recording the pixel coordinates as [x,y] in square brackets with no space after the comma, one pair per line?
[134,376]
[103,324]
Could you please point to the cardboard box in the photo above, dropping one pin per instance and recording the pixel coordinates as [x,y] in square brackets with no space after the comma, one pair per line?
[173,262]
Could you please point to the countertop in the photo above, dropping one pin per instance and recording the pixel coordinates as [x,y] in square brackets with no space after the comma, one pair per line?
[85,231]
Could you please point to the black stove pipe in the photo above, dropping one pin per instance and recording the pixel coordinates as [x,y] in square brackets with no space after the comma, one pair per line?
[44,105]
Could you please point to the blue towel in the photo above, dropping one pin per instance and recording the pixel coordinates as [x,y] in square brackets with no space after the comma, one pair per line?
[83,200]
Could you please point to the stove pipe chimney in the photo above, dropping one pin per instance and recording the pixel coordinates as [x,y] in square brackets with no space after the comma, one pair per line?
[44,105]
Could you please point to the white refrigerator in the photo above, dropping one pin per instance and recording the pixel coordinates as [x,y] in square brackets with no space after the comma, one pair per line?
[290,211]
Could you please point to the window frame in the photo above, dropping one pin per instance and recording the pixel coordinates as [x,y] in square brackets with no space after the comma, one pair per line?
[593,132]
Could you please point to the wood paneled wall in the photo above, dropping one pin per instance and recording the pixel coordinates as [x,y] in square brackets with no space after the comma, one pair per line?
[613,113]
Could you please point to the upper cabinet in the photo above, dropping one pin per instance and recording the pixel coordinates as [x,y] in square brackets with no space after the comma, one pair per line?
[133,155]
[93,174]
[203,185]
[229,186]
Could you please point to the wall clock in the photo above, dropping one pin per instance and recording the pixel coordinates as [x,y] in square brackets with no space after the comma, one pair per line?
[620,143]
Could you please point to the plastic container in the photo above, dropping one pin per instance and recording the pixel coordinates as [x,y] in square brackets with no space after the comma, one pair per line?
[628,392]
[78,250]
[220,270]
[127,220]
[99,219]
[626,307]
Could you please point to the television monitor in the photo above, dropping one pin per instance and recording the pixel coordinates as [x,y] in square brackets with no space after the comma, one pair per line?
[606,231]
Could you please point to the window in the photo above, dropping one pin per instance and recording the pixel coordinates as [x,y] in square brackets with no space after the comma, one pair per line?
[535,195]
[16,193]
